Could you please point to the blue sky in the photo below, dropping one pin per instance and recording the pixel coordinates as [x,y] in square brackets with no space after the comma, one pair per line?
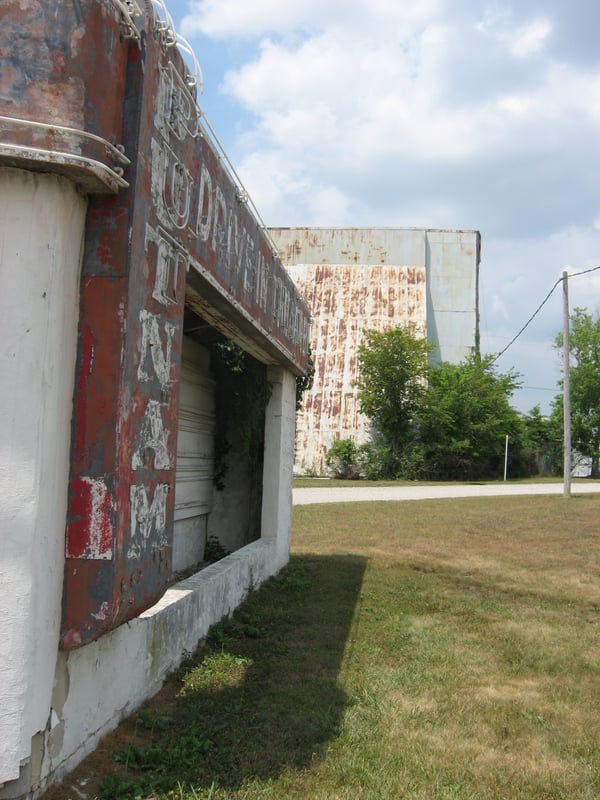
[437,113]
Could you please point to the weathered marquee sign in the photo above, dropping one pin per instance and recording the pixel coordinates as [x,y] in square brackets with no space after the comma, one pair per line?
[167,225]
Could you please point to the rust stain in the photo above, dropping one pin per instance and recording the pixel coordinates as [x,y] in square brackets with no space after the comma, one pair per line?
[344,300]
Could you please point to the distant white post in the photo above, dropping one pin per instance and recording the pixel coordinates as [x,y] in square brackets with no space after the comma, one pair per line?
[506,457]
[566,390]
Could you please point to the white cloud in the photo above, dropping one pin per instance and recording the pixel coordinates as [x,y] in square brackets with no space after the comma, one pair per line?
[379,99]
[530,38]
[519,39]
[517,274]
[441,113]
[239,18]
[243,19]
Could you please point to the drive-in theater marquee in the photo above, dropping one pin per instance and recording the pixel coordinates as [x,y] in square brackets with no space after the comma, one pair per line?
[115,108]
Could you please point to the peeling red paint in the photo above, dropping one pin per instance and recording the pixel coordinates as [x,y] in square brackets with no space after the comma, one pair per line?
[103,254]
[90,531]
[87,345]
[58,60]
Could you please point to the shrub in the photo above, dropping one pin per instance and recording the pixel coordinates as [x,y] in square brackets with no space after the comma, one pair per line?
[342,460]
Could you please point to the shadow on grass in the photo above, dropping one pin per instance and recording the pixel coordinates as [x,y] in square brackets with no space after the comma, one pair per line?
[261,698]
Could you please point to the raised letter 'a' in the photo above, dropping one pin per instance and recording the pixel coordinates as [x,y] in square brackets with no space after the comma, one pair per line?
[153,437]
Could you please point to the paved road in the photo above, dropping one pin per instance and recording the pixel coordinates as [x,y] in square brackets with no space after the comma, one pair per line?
[359,493]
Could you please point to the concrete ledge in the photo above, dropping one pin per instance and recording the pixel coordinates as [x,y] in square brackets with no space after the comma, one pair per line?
[102,683]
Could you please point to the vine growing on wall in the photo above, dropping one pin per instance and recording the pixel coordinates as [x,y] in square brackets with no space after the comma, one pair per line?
[241,395]
[305,382]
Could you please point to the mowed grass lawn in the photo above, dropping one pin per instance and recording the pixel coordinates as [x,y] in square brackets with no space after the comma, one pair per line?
[426,650]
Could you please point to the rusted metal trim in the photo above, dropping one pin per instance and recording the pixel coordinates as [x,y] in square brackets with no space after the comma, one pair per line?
[195,81]
[56,115]
[112,179]
[129,9]
[115,150]
[164,24]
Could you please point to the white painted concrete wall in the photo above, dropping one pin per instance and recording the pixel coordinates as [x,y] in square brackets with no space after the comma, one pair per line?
[100,684]
[279,463]
[96,686]
[54,706]
[42,221]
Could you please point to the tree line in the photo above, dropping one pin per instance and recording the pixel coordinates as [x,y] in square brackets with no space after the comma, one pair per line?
[450,421]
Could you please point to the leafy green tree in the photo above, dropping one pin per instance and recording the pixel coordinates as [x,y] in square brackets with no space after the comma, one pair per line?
[242,393]
[558,427]
[542,448]
[465,419]
[375,460]
[584,351]
[393,368]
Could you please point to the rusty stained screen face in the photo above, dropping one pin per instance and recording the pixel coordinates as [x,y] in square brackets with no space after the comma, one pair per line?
[345,299]
[181,222]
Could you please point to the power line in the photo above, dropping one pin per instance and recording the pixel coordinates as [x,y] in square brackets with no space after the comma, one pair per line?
[538,309]
[583,272]
[528,323]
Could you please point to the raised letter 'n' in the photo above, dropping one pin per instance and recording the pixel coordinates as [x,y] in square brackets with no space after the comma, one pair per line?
[153,353]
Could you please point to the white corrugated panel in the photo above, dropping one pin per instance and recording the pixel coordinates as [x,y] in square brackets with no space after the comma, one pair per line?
[194,487]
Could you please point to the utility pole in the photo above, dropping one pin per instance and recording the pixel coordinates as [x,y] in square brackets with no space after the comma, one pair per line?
[566,389]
